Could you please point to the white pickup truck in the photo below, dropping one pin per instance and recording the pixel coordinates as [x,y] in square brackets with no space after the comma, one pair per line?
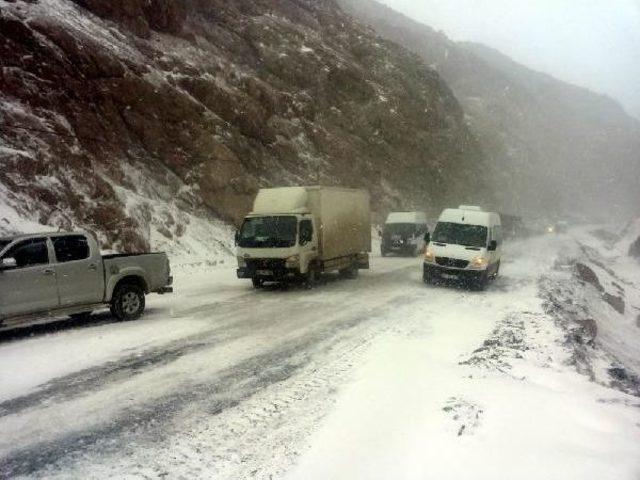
[58,274]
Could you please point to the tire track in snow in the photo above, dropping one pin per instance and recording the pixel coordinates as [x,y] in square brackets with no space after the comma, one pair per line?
[150,423]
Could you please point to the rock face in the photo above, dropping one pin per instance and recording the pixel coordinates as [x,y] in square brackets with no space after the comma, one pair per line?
[120,116]
[553,147]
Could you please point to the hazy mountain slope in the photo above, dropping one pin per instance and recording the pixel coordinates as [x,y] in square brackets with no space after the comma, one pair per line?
[559,146]
[142,119]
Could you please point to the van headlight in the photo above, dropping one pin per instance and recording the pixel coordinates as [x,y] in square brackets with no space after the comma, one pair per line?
[429,256]
[479,263]
[293,261]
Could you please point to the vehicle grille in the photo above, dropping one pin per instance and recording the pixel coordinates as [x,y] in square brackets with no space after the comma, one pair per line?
[451,262]
[266,264]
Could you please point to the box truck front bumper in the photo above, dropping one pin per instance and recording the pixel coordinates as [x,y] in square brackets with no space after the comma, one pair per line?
[268,269]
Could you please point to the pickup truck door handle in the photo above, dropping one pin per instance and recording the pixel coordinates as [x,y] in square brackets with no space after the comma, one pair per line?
[93,267]
[48,271]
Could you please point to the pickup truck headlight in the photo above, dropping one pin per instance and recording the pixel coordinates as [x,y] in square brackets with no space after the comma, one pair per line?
[429,256]
[479,262]
[293,261]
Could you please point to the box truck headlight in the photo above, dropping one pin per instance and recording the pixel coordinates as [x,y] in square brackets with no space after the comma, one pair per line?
[429,256]
[293,261]
[479,262]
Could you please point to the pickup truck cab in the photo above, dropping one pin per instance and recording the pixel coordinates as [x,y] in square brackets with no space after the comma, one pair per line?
[466,245]
[57,274]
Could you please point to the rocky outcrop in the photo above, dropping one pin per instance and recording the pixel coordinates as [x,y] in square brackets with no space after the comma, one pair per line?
[116,115]
[554,148]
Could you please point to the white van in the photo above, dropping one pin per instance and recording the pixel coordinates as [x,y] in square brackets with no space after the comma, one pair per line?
[466,245]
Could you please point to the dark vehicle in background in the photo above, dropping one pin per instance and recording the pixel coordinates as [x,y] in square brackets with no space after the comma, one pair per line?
[58,274]
[403,233]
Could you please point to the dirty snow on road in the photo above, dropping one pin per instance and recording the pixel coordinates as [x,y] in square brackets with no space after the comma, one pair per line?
[379,377]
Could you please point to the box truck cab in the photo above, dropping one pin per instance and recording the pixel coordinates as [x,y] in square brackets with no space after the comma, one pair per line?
[297,233]
[403,233]
[466,245]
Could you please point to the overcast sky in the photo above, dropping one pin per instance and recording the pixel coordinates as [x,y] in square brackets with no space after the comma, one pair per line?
[592,43]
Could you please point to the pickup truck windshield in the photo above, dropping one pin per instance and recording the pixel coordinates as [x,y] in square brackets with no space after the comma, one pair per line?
[460,234]
[268,232]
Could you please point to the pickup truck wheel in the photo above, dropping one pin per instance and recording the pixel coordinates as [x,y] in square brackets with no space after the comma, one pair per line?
[128,302]
[257,282]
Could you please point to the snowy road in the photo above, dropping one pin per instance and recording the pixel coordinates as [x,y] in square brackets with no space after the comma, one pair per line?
[370,378]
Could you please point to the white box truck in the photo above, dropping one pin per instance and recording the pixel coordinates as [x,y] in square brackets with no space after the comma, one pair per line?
[466,245]
[403,233]
[297,233]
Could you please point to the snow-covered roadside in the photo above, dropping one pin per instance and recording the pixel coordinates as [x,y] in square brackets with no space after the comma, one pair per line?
[453,406]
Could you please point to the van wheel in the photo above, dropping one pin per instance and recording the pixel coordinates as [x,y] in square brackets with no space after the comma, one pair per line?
[480,283]
[128,302]
[257,282]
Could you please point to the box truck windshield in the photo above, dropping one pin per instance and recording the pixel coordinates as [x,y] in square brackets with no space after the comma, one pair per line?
[460,234]
[268,232]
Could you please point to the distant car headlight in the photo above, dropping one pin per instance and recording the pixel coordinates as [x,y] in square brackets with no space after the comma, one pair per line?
[292,261]
[479,262]
[429,256]
[550,229]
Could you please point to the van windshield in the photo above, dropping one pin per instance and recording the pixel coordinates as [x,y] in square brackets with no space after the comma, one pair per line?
[460,234]
[268,232]
[402,229]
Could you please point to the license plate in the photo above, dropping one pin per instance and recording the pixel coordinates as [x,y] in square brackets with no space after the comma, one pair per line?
[264,272]
[449,276]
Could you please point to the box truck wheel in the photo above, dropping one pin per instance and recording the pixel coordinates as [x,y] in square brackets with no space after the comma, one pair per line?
[312,276]
[128,302]
[350,272]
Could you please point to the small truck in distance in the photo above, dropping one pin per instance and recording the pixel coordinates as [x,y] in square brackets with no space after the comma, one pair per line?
[297,233]
[58,274]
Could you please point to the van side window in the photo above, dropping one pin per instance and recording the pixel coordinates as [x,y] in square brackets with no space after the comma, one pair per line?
[29,253]
[497,234]
[71,248]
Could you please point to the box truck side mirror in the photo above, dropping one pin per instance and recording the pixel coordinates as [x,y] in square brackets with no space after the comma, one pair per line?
[237,237]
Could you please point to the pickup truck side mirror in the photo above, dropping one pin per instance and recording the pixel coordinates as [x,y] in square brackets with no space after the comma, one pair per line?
[493,245]
[427,237]
[8,263]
